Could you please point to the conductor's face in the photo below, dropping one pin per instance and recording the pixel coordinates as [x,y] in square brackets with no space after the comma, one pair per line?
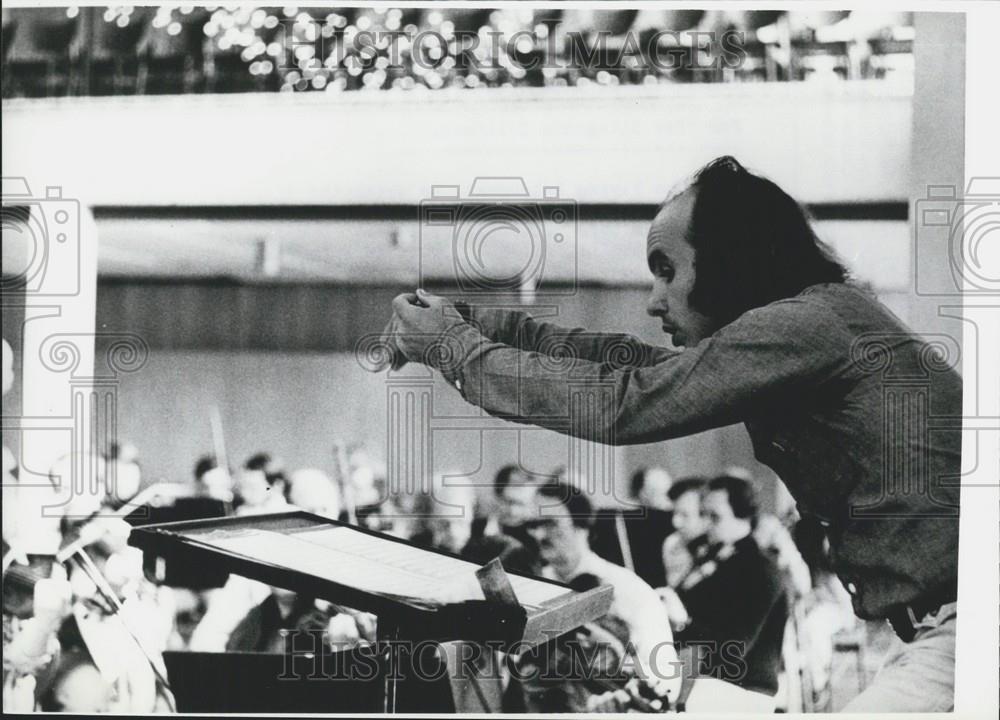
[670,257]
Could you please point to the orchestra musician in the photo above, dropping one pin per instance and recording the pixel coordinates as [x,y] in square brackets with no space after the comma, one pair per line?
[740,641]
[636,618]
[772,333]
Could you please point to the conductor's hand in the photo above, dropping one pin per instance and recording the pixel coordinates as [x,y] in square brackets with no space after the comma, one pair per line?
[419,322]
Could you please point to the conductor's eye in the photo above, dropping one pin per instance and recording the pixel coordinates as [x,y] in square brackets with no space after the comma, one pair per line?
[661,267]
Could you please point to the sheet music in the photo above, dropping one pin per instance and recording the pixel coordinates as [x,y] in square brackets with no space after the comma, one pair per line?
[359,560]
[399,555]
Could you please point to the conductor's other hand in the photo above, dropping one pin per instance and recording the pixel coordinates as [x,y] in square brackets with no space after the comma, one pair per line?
[420,320]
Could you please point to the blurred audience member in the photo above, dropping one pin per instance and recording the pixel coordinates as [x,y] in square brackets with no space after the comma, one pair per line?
[261,486]
[124,473]
[516,492]
[367,477]
[731,603]
[651,488]
[441,518]
[314,491]
[376,508]
[30,645]
[211,480]
[689,529]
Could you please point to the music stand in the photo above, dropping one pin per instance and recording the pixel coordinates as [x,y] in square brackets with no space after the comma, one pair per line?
[377,573]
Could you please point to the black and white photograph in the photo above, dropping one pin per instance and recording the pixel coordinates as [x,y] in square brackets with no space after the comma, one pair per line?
[460,358]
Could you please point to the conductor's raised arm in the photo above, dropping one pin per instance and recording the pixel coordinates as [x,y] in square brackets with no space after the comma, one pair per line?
[769,355]
[524,332]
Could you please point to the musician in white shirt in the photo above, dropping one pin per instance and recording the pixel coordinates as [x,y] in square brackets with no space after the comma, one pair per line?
[561,530]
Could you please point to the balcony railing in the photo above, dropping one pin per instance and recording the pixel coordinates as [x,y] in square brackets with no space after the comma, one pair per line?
[51,52]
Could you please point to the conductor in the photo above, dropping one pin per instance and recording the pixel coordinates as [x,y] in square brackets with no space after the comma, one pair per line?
[772,333]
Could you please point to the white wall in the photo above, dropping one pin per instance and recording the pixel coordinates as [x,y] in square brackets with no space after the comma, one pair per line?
[824,143]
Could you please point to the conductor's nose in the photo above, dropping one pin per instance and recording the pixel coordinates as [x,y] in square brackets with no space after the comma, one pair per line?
[654,304]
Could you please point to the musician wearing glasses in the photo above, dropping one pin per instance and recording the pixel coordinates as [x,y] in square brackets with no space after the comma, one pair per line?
[634,633]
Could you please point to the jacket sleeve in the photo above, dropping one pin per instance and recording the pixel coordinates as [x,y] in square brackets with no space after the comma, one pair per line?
[788,349]
[522,331]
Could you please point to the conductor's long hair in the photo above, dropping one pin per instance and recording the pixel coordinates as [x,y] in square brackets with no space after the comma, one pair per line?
[753,243]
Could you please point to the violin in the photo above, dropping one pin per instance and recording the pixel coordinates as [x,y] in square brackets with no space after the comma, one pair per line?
[558,663]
